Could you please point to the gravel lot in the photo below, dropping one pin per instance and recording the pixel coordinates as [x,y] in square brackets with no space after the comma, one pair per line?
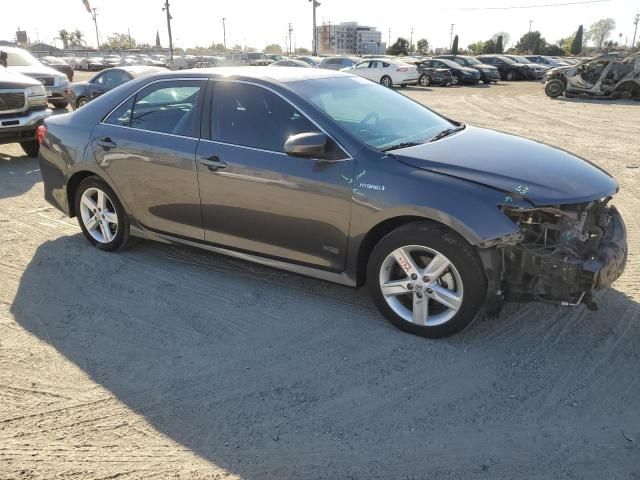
[168,362]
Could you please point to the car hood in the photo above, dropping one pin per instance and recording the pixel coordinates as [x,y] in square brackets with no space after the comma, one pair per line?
[36,70]
[542,174]
[469,70]
[485,66]
[11,79]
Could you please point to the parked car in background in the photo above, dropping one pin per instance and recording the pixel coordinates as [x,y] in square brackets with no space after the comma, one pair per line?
[111,61]
[509,69]
[258,59]
[463,74]
[23,108]
[439,218]
[56,84]
[338,63]
[386,71]
[435,76]
[181,63]
[290,63]
[545,60]
[90,64]
[58,64]
[312,61]
[608,75]
[106,80]
[539,68]
[275,57]
[488,73]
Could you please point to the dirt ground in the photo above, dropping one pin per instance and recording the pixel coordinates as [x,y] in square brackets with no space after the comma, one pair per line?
[172,363]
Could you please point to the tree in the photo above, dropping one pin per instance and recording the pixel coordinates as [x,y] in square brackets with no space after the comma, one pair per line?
[476,48]
[423,46]
[217,47]
[76,39]
[273,48]
[64,36]
[302,51]
[454,47]
[489,47]
[576,45]
[600,31]
[528,42]
[553,50]
[505,39]
[400,47]
[537,47]
[118,41]
[157,39]
[499,47]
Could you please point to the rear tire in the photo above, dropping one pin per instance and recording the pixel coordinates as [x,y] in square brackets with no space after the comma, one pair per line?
[449,287]
[31,148]
[82,101]
[101,216]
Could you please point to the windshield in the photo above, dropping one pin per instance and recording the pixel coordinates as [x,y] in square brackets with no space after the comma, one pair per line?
[20,58]
[473,61]
[507,60]
[447,62]
[519,59]
[375,115]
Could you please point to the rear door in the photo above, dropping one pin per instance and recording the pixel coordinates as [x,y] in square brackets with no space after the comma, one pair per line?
[147,147]
[256,198]
[362,69]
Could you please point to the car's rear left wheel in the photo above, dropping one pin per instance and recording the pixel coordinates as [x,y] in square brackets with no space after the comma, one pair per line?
[426,280]
[101,215]
[386,81]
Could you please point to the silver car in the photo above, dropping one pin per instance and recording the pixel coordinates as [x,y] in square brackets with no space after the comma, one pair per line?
[55,83]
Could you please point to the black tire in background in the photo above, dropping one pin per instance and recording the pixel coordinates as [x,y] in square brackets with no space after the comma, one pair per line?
[31,148]
[461,254]
[554,88]
[122,238]
[386,81]
[60,104]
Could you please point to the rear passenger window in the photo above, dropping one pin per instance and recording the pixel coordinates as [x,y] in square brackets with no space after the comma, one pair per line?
[165,107]
[253,116]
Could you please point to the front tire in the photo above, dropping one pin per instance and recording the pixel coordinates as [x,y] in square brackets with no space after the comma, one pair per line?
[424,81]
[60,104]
[386,81]
[554,88]
[426,280]
[31,148]
[101,215]
[82,101]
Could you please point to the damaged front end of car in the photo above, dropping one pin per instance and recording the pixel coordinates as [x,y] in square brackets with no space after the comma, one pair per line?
[561,255]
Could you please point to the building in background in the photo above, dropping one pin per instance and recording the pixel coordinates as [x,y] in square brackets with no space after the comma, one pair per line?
[349,38]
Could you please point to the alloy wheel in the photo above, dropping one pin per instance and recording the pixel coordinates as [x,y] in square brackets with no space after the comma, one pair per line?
[421,285]
[425,81]
[99,215]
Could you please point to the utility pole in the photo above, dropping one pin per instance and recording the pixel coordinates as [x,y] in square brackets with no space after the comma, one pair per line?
[166,9]
[451,37]
[130,42]
[290,32]
[411,40]
[389,44]
[94,15]
[529,37]
[224,34]
[635,30]
[315,4]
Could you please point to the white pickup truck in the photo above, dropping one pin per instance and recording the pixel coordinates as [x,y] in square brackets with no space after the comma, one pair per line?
[23,107]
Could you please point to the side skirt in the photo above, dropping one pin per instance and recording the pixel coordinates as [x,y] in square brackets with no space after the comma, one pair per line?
[341,278]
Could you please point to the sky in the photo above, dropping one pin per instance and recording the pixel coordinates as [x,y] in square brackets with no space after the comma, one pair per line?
[257,23]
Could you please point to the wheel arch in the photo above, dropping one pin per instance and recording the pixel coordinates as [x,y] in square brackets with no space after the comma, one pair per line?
[72,188]
[382,228]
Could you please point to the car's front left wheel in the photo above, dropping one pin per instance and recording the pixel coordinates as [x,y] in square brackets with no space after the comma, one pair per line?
[426,280]
[101,215]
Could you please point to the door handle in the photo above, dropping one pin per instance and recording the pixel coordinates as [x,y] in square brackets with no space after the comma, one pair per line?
[213,163]
[105,143]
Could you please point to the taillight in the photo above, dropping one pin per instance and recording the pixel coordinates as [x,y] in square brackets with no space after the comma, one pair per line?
[403,69]
[41,131]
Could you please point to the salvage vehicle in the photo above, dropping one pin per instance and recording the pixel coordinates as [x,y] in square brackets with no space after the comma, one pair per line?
[462,74]
[55,83]
[84,92]
[488,73]
[387,72]
[538,68]
[510,69]
[333,176]
[59,65]
[23,107]
[435,76]
[608,75]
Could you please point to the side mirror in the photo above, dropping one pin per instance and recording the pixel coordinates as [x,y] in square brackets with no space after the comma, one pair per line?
[312,145]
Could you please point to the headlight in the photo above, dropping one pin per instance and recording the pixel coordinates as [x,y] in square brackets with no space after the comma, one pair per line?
[36,91]
[60,80]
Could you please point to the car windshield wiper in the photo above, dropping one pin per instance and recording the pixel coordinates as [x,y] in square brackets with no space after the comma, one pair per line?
[446,132]
[400,145]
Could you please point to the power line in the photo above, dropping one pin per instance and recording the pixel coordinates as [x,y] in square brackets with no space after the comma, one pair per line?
[582,2]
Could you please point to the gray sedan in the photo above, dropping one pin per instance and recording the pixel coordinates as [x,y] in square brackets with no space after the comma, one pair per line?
[330,175]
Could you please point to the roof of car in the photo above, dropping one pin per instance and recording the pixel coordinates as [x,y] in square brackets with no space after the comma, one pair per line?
[281,74]
[139,70]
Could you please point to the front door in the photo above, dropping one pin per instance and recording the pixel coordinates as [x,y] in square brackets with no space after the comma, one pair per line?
[257,199]
[147,147]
